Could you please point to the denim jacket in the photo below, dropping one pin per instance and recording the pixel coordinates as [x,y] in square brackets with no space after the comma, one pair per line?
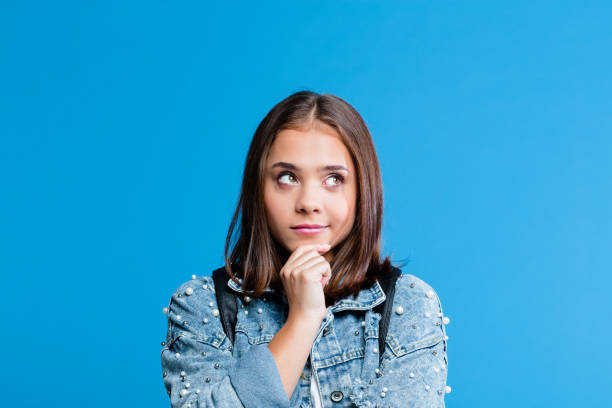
[201,367]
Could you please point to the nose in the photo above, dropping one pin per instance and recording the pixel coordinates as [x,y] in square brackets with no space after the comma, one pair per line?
[308,199]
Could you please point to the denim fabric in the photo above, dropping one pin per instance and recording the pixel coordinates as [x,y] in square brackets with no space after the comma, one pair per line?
[201,368]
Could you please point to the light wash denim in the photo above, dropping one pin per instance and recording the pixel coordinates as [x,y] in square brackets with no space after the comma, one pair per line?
[201,368]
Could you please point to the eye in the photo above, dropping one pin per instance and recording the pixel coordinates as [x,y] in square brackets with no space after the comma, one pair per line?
[287,177]
[339,179]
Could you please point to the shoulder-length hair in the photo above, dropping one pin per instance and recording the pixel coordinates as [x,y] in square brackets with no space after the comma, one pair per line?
[257,257]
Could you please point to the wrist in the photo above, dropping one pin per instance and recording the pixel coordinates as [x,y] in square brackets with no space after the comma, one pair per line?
[305,321]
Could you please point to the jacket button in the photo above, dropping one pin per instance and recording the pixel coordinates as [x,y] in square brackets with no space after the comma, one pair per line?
[336,396]
[326,331]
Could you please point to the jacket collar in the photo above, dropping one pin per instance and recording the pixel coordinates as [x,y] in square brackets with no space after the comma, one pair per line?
[366,298]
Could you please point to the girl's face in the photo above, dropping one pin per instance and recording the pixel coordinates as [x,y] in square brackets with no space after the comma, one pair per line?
[310,181]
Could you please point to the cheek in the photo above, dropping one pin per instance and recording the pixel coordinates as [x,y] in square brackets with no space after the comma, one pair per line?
[341,211]
[269,203]
[276,207]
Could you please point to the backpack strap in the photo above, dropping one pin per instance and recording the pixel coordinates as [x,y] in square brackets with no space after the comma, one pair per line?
[388,286]
[226,300]
[228,307]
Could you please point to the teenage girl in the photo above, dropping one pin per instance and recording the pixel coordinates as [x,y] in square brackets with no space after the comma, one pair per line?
[305,272]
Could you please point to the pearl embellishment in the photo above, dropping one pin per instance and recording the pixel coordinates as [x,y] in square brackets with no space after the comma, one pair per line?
[399,310]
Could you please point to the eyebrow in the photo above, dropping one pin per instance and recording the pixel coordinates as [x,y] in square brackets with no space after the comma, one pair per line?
[331,167]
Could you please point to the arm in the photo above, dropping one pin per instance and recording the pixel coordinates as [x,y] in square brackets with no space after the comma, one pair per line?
[199,367]
[291,347]
[304,276]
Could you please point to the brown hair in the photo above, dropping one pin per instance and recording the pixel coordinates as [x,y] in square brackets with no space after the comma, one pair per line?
[257,257]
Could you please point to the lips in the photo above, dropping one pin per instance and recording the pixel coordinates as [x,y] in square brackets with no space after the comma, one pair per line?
[313,226]
[309,229]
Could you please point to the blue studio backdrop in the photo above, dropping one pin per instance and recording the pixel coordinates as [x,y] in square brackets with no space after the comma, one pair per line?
[124,127]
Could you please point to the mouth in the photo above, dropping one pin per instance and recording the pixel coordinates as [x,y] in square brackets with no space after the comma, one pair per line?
[309,229]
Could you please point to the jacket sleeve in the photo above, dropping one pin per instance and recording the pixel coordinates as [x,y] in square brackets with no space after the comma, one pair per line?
[416,345]
[200,367]
[413,370]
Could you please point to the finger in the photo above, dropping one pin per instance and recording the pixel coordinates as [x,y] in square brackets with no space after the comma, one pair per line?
[300,255]
[309,264]
[313,273]
[327,272]
[300,259]
[326,275]
[302,264]
[304,248]
[286,268]
[306,257]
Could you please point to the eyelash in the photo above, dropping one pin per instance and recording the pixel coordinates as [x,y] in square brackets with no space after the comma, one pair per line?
[338,176]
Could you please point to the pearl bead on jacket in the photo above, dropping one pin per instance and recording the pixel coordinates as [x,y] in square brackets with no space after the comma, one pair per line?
[201,368]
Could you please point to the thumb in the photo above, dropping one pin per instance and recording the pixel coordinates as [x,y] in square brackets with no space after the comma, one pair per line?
[323,247]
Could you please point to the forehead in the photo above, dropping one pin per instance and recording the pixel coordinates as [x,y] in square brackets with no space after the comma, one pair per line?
[316,146]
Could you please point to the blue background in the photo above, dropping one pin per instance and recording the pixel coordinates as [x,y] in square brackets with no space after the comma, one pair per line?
[124,128]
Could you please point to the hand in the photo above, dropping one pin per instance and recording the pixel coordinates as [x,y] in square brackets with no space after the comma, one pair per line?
[304,276]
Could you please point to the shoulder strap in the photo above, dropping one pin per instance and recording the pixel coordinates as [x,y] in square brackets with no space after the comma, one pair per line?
[388,286]
[226,300]
[228,307]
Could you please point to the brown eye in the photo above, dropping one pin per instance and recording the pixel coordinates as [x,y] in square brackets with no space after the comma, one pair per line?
[286,178]
[338,179]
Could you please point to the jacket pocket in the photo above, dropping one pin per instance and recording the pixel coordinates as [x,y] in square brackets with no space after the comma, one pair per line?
[258,332]
[397,348]
[217,339]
